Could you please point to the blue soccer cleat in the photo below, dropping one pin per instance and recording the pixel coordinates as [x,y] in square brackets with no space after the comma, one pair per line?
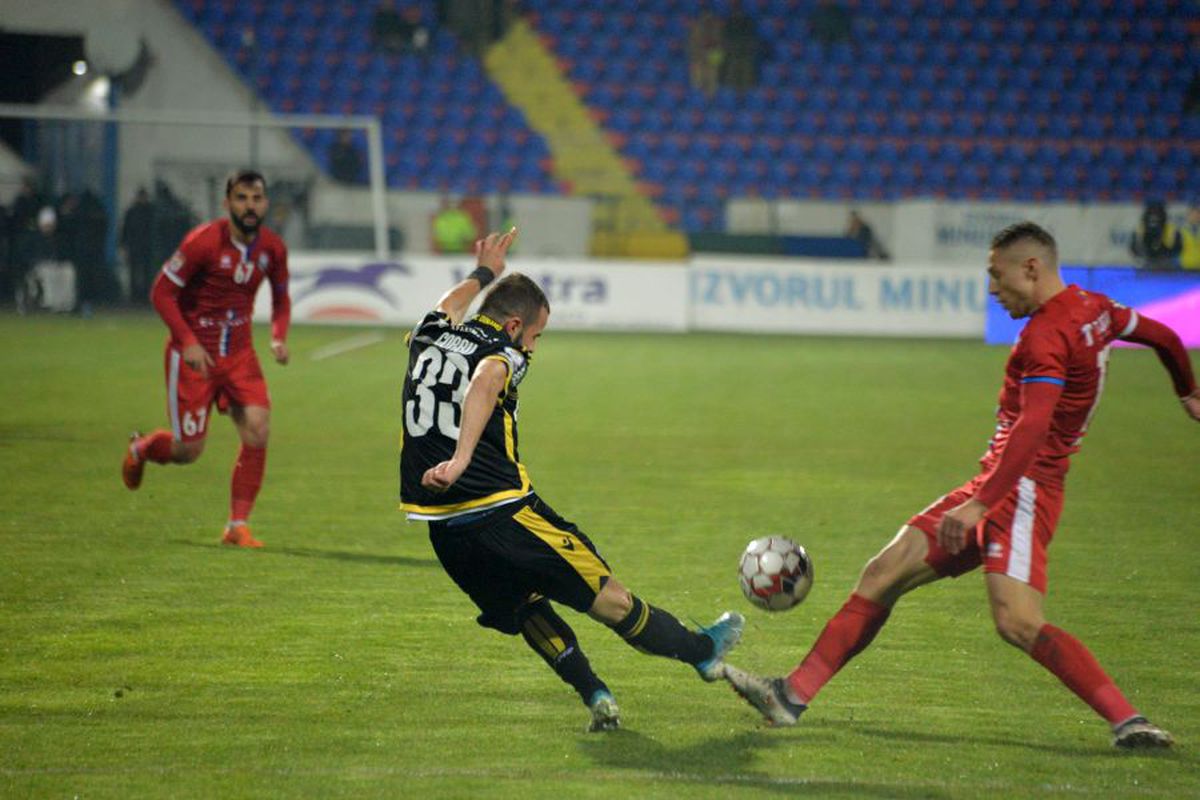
[725,633]
[605,714]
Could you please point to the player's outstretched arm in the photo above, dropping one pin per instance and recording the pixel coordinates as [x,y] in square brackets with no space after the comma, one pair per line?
[164,295]
[490,253]
[1174,357]
[486,385]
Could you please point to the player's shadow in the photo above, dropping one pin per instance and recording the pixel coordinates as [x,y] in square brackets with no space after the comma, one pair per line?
[333,555]
[728,761]
[1041,745]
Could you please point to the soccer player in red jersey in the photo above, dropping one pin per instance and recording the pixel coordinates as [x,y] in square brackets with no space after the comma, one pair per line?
[205,295]
[1005,517]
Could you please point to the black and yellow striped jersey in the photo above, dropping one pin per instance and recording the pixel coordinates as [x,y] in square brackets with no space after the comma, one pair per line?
[442,358]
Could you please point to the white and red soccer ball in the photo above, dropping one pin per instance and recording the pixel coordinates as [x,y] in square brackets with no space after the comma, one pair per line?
[775,573]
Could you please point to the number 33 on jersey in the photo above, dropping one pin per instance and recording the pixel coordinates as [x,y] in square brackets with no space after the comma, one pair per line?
[442,359]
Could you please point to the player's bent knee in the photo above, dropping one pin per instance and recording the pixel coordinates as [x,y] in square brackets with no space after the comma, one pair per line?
[897,568]
[186,452]
[1019,630]
[256,437]
[612,604]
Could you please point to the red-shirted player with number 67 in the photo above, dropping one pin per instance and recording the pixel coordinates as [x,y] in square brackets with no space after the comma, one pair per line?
[205,295]
[1005,516]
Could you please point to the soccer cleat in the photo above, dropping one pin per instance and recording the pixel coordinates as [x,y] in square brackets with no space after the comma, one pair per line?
[725,633]
[133,466]
[768,695]
[1138,733]
[605,714]
[240,536]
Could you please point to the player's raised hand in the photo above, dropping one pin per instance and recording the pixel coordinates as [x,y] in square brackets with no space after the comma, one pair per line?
[280,351]
[196,357]
[959,523]
[491,250]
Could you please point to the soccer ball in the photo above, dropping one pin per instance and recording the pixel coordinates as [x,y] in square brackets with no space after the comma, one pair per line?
[775,573]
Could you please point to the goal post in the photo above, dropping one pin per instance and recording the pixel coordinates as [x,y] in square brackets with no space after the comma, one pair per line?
[111,153]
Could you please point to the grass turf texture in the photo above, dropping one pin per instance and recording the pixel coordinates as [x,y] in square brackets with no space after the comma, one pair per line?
[141,659]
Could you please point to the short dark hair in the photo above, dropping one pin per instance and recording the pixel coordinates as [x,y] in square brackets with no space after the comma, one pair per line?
[1021,231]
[244,176]
[515,295]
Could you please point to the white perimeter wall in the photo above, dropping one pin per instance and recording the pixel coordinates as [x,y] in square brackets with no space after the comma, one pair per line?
[954,232]
[713,294]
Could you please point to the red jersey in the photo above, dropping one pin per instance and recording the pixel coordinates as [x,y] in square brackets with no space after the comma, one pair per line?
[214,282]
[1065,343]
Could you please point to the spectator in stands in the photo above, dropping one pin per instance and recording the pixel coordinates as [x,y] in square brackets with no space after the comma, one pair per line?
[172,221]
[1191,95]
[706,52]
[454,229]
[1189,233]
[741,62]
[5,254]
[345,159]
[473,21]
[89,228]
[23,231]
[49,282]
[391,31]
[858,229]
[831,23]
[1156,243]
[137,235]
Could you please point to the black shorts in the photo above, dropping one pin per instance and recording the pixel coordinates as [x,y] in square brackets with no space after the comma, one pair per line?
[510,556]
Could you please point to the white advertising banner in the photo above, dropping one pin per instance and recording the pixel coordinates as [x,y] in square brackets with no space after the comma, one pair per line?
[961,233]
[583,294]
[859,298]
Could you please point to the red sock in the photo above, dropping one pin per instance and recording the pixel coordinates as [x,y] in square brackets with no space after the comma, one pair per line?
[1073,664]
[846,634]
[247,478]
[155,446]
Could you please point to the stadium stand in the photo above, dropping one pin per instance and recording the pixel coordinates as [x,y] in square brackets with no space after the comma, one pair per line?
[1066,100]
[447,127]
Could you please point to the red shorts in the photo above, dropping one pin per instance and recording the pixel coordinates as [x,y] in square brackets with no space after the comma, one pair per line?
[1011,540]
[236,379]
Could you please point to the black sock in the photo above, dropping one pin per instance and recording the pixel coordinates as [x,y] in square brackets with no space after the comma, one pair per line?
[552,638]
[655,631]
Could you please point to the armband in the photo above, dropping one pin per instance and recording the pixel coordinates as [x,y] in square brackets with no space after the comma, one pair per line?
[483,275]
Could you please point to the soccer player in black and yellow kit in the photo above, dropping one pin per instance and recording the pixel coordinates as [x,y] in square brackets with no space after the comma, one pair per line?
[500,542]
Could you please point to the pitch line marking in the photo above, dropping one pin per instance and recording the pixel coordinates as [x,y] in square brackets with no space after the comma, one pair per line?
[347,345]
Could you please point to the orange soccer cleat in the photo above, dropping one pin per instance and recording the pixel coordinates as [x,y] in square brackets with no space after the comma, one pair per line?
[133,466]
[239,535]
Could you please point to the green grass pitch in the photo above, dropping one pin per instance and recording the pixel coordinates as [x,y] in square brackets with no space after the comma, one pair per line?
[141,659]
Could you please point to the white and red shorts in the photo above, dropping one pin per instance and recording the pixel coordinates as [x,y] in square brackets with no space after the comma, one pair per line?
[235,379]
[1011,540]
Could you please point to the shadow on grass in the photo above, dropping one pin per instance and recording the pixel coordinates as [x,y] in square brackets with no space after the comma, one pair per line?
[332,555]
[729,762]
[1041,744]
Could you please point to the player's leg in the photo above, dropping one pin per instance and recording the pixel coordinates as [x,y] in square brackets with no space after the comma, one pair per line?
[1017,612]
[566,567]
[910,560]
[549,635]
[253,425]
[249,402]
[1016,538]
[897,569]
[658,632]
[189,400]
[484,559]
